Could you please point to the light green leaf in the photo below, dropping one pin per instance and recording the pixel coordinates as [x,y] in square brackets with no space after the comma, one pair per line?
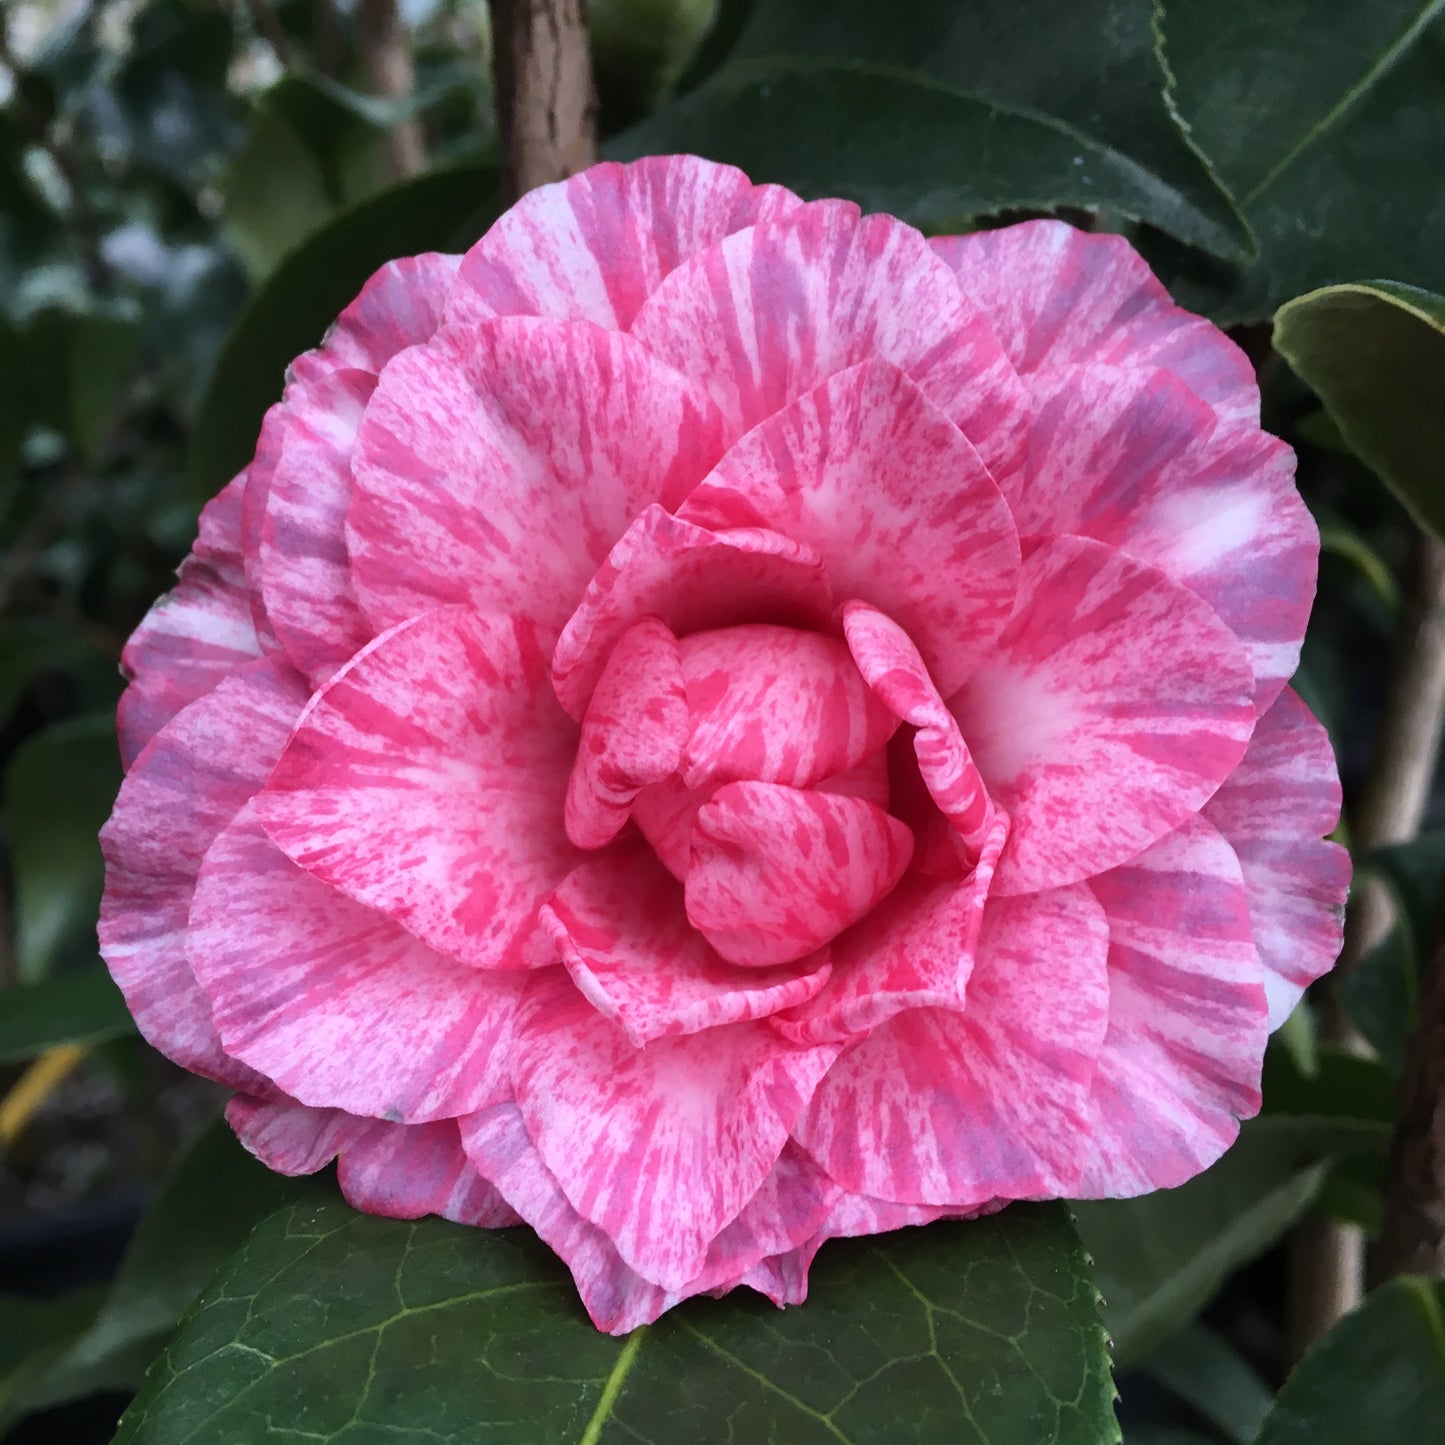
[1161,1258]
[1374,352]
[1212,1377]
[59,789]
[1378,1375]
[352,1328]
[73,1009]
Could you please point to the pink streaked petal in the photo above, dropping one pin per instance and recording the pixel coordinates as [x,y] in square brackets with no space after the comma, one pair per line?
[867,779]
[866,469]
[778,705]
[660,1147]
[337,1004]
[1131,457]
[1181,1062]
[1115,704]
[498,464]
[632,735]
[426,780]
[620,926]
[693,579]
[617,1298]
[1057,296]
[398,307]
[887,658]
[198,633]
[1273,809]
[768,314]
[956,1109]
[777,872]
[915,950]
[596,246]
[665,813]
[304,574]
[184,788]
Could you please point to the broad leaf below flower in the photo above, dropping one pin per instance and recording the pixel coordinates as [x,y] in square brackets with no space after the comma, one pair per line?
[351,1328]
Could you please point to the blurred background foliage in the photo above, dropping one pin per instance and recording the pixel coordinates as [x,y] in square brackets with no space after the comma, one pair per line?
[190,190]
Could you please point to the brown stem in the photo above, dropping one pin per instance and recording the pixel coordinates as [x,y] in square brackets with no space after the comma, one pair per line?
[1326,1256]
[386,56]
[546,99]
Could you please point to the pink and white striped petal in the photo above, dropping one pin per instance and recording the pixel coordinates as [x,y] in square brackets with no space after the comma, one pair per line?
[197,634]
[400,306]
[1115,704]
[339,1005]
[400,1171]
[1131,457]
[659,1147]
[665,814]
[766,315]
[1273,809]
[867,470]
[620,926]
[183,789]
[596,246]
[887,658]
[1057,296]
[778,872]
[776,705]
[498,464]
[426,780]
[632,735]
[1180,1064]
[915,950]
[694,580]
[957,1109]
[304,572]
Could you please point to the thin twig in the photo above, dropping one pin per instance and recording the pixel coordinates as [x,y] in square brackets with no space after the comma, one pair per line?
[389,73]
[546,98]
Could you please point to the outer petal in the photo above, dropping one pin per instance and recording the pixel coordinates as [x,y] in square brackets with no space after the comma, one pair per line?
[340,1006]
[596,246]
[426,780]
[620,927]
[1133,458]
[400,1171]
[692,579]
[776,705]
[1273,808]
[766,315]
[1057,296]
[197,634]
[1181,1062]
[957,1109]
[1116,703]
[660,1147]
[185,787]
[866,469]
[398,307]
[778,872]
[498,464]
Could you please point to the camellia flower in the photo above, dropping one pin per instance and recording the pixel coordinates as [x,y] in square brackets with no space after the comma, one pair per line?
[712,723]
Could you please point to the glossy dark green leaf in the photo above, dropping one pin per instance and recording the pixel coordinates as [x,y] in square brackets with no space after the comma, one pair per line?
[1374,352]
[1096,67]
[354,1329]
[1378,1375]
[1338,1086]
[73,1009]
[59,788]
[1327,122]
[1160,1258]
[442,210]
[1207,1373]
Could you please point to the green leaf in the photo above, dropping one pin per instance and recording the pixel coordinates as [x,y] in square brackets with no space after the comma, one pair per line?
[30,648]
[74,1009]
[1213,1378]
[442,210]
[1414,872]
[1096,68]
[352,1328]
[1380,993]
[59,789]
[1374,352]
[1338,1086]
[1325,122]
[33,1334]
[1377,1375]
[1160,1258]
[640,49]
